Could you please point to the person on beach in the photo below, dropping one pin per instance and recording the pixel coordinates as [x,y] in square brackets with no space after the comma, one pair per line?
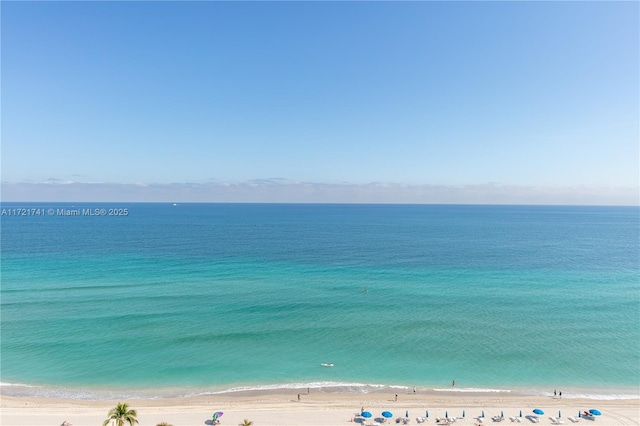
[453,383]
[554,392]
[298,397]
[560,394]
[414,389]
[308,391]
[396,397]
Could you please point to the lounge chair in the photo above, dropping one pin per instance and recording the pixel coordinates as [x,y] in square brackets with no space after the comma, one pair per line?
[574,419]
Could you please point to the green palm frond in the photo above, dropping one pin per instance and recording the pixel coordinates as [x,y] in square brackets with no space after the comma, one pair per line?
[121,414]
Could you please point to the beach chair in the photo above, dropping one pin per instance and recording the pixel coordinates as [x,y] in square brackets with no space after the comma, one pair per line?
[573,419]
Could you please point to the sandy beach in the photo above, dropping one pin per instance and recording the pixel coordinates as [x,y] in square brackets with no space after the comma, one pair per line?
[317,408]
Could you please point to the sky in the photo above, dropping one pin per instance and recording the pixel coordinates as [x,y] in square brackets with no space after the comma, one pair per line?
[377,102]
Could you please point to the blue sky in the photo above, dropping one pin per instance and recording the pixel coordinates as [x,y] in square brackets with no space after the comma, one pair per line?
[490,102]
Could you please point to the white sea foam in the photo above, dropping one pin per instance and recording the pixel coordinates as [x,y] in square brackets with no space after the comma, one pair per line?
[324,386]
[2,384]
[471,390]
[92,393]
[613,396]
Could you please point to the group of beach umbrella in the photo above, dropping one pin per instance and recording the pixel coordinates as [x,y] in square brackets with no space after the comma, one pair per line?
[592,412]
[385,414]
[537,411]
[389,414]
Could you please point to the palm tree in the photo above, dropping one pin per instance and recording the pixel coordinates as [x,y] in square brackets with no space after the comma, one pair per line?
[121,414]
[246,423]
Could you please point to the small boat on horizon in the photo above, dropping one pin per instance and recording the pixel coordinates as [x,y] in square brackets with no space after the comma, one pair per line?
[327,364]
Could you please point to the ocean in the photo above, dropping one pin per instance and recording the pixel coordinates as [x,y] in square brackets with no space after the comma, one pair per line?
[143,299]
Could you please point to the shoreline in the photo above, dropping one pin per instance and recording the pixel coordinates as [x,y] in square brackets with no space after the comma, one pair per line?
[316,408]
[97,393]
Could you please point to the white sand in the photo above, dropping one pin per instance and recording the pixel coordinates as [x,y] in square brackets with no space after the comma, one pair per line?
[317,408]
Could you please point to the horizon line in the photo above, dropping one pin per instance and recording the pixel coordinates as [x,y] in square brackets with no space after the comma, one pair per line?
[286,191]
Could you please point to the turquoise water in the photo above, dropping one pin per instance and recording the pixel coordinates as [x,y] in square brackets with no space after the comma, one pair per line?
[207,297]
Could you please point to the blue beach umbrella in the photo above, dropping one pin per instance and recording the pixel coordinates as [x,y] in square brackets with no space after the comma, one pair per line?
[366,414]
[520,413]
[463,413]
[595,412]
[446,414]
[482,413]
[579,414]
[426,414]
[559,414]
[387,414]
[538,411]
[501,414]
[407,414]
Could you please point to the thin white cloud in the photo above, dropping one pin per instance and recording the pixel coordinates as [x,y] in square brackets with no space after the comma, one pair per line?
[279,190]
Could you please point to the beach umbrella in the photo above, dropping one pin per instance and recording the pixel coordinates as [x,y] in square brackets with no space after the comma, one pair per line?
[579,414]
[426,414]
[538,411]
[559,414]
[446,414]
[595,412]
[462,413]
[366,414]
[387,414]
[217,414]
[407,414]
[482,413]
[520,413]
[501,414]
